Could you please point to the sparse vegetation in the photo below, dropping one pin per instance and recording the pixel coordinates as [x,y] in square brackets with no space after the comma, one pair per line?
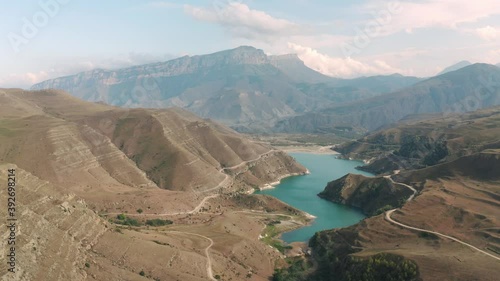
[383,209]
[87,265]
[296,271]
[139,211]
[161,243]
[158,222]
[269,237]
[142,273]
[124,220]
[427,235]
[335,260]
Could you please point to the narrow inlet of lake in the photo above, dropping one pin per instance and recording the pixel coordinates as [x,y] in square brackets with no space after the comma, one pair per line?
[301,193]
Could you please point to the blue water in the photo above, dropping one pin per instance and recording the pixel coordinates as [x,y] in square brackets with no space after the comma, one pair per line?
[301,193]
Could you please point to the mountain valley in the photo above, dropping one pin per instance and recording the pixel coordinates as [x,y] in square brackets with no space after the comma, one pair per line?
[98,175]
[418,210]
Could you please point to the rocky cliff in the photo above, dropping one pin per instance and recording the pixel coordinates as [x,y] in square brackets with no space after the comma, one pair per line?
[372,195]
[242,87]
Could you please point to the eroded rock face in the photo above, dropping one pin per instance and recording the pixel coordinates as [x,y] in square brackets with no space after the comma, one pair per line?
[234,86]
[242,87]
[93,144]
[75,159]
[371,195]
[54,230]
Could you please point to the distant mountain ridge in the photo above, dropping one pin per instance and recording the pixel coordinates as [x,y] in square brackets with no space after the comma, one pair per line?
[455,66]
[467,89]
[241,87]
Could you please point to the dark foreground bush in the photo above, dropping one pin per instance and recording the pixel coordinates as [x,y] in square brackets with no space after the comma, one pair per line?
[158,222]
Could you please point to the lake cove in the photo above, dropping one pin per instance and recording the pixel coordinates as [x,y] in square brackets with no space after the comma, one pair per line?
[301,193]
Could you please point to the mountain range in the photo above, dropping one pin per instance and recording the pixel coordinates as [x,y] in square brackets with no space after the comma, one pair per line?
[467,89]
[455,66]
[242,87]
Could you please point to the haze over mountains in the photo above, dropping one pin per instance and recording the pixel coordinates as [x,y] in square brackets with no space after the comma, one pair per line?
[467,89]
[253,92]
[455,66]
[164,162]
[242,87]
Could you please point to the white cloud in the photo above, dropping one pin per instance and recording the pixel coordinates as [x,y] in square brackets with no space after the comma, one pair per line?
[411,15]
[488,33]
[23,80]
[244,22]
[340,67]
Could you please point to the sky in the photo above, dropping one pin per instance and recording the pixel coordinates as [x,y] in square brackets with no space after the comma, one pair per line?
[43,39]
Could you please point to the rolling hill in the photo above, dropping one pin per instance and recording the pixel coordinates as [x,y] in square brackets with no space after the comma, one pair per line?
[171,149]
[104,192]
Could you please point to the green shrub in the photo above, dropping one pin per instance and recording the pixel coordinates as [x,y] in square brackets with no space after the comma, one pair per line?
[124,220]
[427,235]
[158,222]
[383,209]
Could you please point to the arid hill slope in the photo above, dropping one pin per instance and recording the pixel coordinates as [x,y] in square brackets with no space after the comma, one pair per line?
[80,164]
[458,197]
[420,143]
[55,135]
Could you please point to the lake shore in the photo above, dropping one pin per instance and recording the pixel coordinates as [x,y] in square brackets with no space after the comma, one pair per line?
[277,182]
[301,193]
[313,149]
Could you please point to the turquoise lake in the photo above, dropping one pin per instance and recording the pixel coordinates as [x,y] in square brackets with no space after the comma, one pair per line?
[301,193]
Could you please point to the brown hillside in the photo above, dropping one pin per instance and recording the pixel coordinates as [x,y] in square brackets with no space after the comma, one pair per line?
[460,199]
[76,160]
[170,148]
[416,144]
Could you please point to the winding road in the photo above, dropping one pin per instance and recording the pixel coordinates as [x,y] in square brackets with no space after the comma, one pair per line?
[200,205]
[226,179]
[248,161]
[195,210]
[388,217]
[391,220]
[210,273]
[405,185]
